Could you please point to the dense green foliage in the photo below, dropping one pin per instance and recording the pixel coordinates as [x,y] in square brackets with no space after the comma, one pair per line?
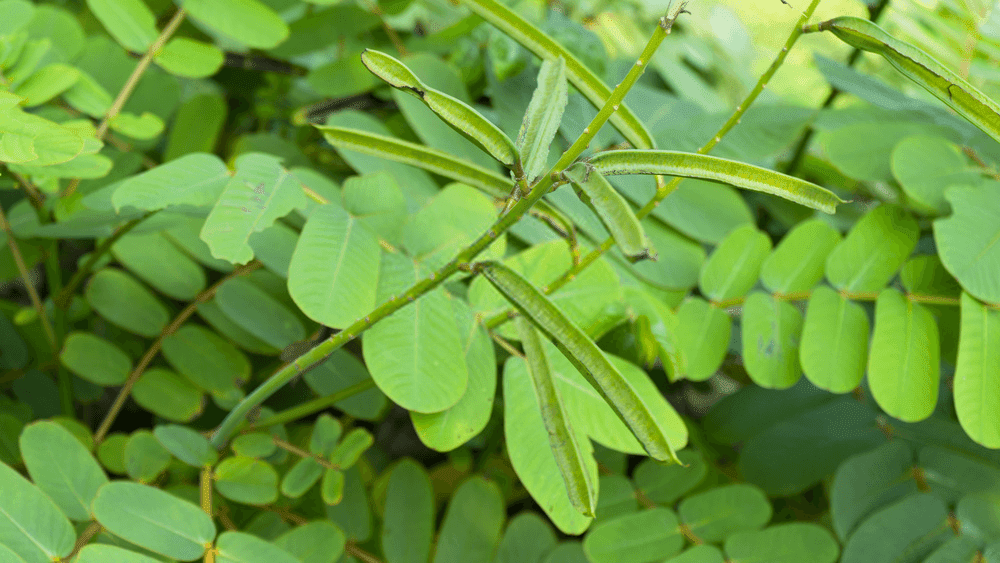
[260,258]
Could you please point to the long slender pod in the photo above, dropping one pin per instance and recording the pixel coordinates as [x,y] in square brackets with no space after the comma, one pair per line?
[563,441]
[919,67]
[581,351]
[715,169]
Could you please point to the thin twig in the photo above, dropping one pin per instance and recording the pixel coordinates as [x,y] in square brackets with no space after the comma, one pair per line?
[22,268]
[504,344]
[133,80]
[292,448]
[393,36]
[356,552]
[66,295]
[140,69]
[154,349]
[313,406]
[800,147]
[92,530]
[36,197]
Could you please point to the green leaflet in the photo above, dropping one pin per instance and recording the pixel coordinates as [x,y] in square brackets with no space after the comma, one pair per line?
[967,239]
[917,522]
[246,480]
[615,213]
[409,514]
[416,354]
[250,22]
[62,467]
[703,332]
[462,117]
[796,264]
[145,458]
[334,269]
[238,547]
[904,364]
[651,535]
[834,341]
[319,541]
[432,160]
[585,356]
[472,523]
[741,175]
[925,166]
[717,513]
[801,542]
[977,373]
[195,179]
[189,58]
[771,332]
[103,553]
[867,481]
[130,22]
[95,359]
[732,269]
[158,262]
[31,525]
[154,519]
[873,250]
[546,48]
[542,118]
[47,83]
[562,440]
[168,395]
[921,68]
[446,430]
[527,539]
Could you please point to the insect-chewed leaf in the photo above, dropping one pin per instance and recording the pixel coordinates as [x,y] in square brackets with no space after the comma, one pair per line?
[542,119]
[536,41]
[715,169]
[435,161]
[609,205]
[459,115]
[921,68]
[562,440]
[584,355]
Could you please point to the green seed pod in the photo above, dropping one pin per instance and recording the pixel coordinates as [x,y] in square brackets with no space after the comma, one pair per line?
[584,355]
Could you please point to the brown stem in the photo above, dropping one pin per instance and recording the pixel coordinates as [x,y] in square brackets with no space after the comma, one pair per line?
[356,552]
[289,447]
[154,349]
[132,82]
[22,268]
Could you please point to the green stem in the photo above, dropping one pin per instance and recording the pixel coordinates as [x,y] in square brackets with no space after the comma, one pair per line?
[663,191]
[313,406]
[66,295]
[322,351]
[800,147]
